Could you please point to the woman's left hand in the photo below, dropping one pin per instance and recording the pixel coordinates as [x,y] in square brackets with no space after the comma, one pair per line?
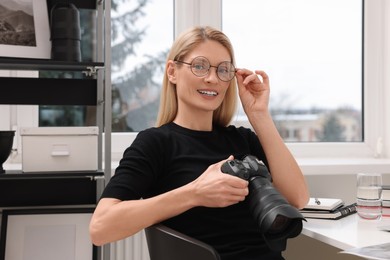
[254,91]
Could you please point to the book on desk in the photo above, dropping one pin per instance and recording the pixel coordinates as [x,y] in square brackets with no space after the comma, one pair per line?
[330,209]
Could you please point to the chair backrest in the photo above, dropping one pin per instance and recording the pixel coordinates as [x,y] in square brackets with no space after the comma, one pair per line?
[165,243]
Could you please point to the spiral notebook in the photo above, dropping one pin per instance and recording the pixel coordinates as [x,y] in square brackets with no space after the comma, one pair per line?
[337,213]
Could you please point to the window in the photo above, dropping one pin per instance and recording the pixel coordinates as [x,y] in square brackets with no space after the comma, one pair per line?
[314,63]
[142,32]
[352,144]
[73,115]
[364,122]
[343,116]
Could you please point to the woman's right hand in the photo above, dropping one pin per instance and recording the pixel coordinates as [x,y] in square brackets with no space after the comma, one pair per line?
[217,189]
[212,189]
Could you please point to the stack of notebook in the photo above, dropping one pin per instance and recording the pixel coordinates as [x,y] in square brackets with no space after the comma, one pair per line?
[327,208]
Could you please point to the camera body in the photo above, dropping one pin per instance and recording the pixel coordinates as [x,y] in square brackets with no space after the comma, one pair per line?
[276,218]
[247,169]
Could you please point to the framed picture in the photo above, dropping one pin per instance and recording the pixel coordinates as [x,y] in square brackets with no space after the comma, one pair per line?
[46,234]
[24,29]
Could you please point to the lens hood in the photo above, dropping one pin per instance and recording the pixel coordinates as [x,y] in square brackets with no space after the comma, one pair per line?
[276,233]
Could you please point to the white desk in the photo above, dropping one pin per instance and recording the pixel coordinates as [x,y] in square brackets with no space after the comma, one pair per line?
[348,232]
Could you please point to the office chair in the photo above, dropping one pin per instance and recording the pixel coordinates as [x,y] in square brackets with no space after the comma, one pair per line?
[165,243]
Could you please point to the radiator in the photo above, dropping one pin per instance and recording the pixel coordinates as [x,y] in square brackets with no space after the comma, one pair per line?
[132,248]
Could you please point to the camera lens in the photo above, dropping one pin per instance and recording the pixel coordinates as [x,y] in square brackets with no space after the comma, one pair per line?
[279,225]
[277,219]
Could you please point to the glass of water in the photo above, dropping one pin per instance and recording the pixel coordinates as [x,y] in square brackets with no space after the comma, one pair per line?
[368,199]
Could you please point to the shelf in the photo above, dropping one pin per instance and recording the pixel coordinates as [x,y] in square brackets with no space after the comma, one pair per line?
[48,91]
[64,189]
[18,174]
[48,189]
[42,64]
[85,4]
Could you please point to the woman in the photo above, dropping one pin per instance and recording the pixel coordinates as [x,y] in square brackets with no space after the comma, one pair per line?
[176,167]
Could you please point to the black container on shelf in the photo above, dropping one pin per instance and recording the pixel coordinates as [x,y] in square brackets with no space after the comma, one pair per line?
[65,32]
[6,141]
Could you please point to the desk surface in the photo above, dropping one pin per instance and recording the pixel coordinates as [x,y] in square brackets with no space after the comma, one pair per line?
[348,232]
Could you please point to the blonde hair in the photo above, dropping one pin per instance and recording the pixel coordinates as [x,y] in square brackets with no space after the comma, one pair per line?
[183,45]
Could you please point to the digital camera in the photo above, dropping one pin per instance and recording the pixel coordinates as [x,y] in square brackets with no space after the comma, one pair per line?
[277,219]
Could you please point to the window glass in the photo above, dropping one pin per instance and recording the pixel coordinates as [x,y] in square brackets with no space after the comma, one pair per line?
[312,51]
[55,115]
[141,32]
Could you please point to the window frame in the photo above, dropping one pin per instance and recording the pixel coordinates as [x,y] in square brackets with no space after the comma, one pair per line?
[326,158]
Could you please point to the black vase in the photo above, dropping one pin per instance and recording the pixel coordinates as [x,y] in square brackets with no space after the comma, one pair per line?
[65,32]
[6,141]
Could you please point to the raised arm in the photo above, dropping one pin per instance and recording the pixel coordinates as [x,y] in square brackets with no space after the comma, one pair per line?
[287,176]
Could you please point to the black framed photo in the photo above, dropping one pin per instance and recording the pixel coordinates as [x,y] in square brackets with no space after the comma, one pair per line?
[46,234]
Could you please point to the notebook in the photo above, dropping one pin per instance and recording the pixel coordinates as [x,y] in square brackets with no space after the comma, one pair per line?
[338,213]
[324,204]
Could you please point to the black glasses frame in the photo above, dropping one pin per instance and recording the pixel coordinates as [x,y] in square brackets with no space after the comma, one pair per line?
[208,69]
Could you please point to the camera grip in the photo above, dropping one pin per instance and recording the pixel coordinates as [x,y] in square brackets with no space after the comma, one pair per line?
[235,168]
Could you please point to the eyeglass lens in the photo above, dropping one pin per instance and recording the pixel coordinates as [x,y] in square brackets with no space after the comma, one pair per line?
[200,66]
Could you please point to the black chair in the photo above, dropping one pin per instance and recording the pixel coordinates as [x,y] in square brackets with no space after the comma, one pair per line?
[165,243]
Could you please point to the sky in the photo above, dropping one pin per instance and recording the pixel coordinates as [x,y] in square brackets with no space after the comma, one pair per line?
[311,49]
[24,5]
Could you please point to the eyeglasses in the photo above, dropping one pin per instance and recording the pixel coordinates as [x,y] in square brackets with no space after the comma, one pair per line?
[200,67]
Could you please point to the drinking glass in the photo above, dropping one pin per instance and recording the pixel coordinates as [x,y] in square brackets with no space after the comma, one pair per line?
[368,199]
